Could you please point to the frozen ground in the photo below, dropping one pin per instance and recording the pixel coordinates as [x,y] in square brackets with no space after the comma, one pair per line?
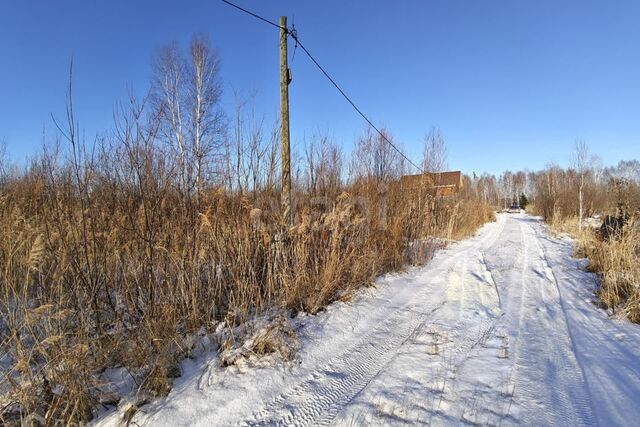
[500,329]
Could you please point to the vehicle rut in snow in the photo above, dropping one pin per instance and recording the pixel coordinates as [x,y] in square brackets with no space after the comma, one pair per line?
[544,352]
[318,399]
[323,394]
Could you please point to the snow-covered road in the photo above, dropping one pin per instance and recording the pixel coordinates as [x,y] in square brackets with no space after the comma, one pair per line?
[500,329]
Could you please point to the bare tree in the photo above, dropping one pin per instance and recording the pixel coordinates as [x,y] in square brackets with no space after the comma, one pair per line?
[580,162]
[434,152]
[374,158]
[251,157]
[3,160]
[311,168]
[167,83]
[273,158]
[186,93]
[625,169]
[487,189]
[323,165]
[507,187]
[206,118]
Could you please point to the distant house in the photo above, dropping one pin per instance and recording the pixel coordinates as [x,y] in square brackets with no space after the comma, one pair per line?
[440,184]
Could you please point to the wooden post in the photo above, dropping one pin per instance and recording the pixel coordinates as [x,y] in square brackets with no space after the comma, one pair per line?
[284,131]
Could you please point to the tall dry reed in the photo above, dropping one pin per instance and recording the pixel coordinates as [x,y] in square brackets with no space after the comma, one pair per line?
[105,264]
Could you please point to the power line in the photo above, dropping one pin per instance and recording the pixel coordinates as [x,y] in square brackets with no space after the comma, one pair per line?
[304,49]
[253,14]
[294,35]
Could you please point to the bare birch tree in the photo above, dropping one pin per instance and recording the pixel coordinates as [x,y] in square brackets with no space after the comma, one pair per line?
[206,118]
[580,162]
[186,94]
[168,74]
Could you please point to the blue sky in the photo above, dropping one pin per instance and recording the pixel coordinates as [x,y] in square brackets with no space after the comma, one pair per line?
[511,84]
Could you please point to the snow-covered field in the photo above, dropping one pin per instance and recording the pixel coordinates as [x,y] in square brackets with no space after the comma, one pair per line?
[500,329]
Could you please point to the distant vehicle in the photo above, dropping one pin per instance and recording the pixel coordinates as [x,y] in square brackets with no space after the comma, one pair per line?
[514,208]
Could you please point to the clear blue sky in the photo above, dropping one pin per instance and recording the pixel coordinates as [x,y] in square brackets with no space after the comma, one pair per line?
[511,84]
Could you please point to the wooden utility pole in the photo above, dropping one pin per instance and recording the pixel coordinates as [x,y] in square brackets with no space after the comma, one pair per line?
[284,131]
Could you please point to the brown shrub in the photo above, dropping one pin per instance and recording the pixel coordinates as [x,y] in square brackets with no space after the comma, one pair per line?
[99,272]
[617,262]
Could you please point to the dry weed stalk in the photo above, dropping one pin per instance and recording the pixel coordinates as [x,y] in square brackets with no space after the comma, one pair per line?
[103,273]
[617,261]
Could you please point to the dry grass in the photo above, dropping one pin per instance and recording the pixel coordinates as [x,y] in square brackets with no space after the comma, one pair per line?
[615,260]
[99,271]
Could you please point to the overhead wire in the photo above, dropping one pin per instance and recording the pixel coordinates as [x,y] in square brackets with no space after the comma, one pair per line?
[254,15]
[294,35]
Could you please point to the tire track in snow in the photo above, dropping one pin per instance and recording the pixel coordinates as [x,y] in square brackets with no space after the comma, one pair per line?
[488,275]
[584,400]
[318,399]
[477,311]
[521,309]
[547,370]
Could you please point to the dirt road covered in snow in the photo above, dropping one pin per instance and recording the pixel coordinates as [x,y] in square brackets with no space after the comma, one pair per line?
[500,329]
